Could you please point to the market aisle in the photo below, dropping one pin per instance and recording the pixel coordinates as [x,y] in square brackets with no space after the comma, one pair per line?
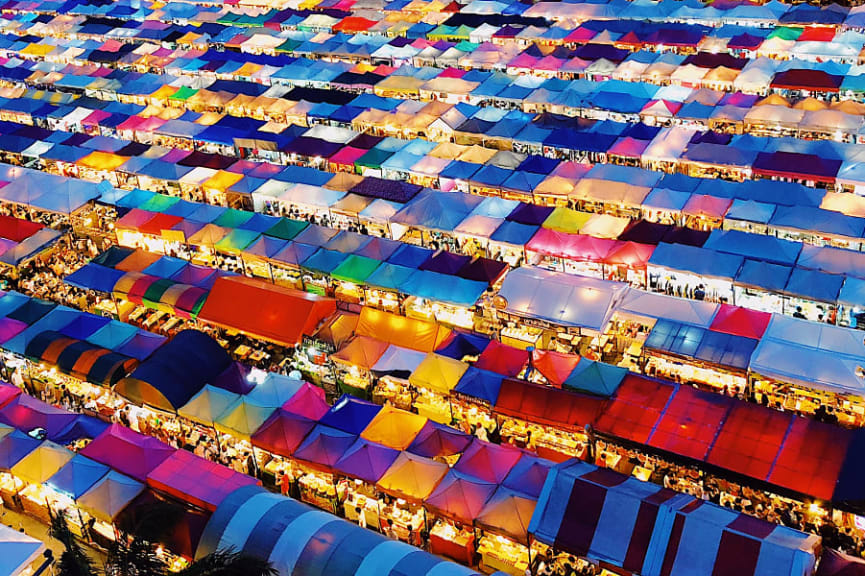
[36,529]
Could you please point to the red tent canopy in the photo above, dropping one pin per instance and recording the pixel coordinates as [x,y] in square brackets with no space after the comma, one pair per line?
[158,223]
[17,229]
[487,461]
[631,254]
[353,24]
[636,408]
[690,422]
[547,405]
[834,563]
[197,481]
[740,321]
[709,206]
[554,366]
[502,359]
[811,457]
[265,311]
[750,440]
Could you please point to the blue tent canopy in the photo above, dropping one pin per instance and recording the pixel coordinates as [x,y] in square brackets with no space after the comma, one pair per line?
[463,344]
[176,372]
[389,276]
[444,288]
[77,476]
[750,211]
[410,256]
[165,267]
[350,414]
[700,261]
[595,378]
[676,338]
[113,335]
[726,349]
[772,277]
[754,246]
[298,539]
[481,384]
[814,285]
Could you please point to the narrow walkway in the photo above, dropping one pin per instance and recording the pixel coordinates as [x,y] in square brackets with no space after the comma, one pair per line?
[36,529]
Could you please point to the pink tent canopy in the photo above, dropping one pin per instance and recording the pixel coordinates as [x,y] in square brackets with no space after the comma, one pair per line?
[128,451]
[195,480]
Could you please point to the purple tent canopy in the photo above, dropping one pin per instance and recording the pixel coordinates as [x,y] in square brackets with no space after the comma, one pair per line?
[15,446]
[392,190]
[127,451]
[26,413]
[324,446]
[282,433]
[142,345]
[460,497]
[378,248]
[483,270]
[795,165]
[234,379]
[311,147]
[366,460]
[744,41]
[436,440]
[9,328]
[530,214]
[645,232]
[528,475]
[445,263]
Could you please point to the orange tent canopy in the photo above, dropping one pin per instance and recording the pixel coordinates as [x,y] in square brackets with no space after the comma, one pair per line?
[412,477]
[407,332]
[264,310]
[394,428]
[362,352]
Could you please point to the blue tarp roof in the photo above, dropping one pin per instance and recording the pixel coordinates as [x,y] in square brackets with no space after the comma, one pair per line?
[481,384]
[179,369]
[77,476]
[814,285]
[350,414]
[699,261]
[754,246]
[95,277]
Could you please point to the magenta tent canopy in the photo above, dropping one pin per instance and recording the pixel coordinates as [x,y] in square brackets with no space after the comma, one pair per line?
[436,440]
[366,460]
[460,497]
[308,401]
[8,393]
[324,447]
[195,480]
[127,451]
[282,433]
[487,461]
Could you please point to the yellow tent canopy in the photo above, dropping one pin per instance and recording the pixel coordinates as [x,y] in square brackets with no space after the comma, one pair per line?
[394,428]
[105,161]
[555,186]
[164,92]
[566,220]
[438,373]
[222,180]
[42,463]
[412,477]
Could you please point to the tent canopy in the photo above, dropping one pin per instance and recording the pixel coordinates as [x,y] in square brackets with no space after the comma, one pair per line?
[263,310]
